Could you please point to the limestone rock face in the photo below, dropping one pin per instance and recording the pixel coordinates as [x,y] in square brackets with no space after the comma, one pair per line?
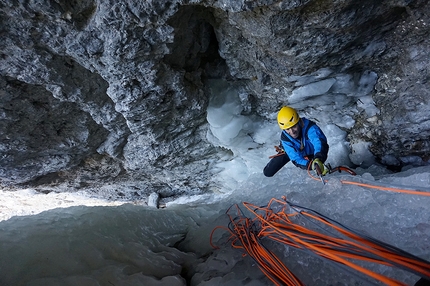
[115,92]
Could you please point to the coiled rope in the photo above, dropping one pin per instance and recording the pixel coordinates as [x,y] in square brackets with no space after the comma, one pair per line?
[280,221]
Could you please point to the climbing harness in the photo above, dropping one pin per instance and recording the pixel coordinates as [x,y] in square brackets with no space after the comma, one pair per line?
[307,230]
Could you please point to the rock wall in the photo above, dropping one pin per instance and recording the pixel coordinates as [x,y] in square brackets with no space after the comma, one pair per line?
[98,92]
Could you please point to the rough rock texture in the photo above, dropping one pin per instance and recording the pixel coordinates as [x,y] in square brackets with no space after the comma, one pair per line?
[115,92]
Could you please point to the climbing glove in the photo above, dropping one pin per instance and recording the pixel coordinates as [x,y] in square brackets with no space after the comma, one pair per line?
[322,167]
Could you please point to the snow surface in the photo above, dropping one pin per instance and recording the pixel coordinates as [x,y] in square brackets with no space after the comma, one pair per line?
[65,239]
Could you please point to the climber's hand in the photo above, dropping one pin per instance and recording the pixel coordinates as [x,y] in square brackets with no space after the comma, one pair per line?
[321,166]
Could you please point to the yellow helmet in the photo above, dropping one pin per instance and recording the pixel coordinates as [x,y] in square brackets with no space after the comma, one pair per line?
[287,117]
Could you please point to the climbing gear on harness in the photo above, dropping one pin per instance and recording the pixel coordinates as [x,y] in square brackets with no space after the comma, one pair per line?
[287,117]
[280,151]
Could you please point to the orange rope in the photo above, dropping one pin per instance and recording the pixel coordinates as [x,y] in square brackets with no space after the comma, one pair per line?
[268,263]
[278,226]
[211,236]
[312,176]
[411,192]
[420,193]
[276,222]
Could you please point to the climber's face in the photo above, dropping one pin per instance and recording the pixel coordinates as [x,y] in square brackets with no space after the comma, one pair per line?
[294,131]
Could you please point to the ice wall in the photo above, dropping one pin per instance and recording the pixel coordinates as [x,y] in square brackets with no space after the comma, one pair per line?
[135,245]
[126,245]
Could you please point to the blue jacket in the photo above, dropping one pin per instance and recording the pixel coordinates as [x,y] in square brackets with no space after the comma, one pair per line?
[312,143]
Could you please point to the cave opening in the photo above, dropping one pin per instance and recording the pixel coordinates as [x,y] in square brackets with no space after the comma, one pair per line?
[195,46]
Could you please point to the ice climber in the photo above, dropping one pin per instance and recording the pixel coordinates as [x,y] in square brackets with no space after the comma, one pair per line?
[302,142]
